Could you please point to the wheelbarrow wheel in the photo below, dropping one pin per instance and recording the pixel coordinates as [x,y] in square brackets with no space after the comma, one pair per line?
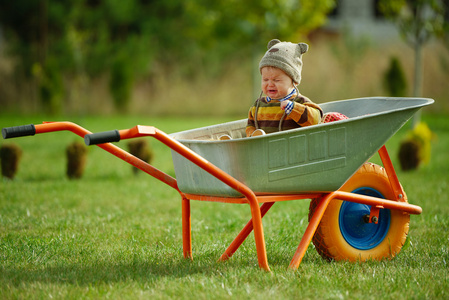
[345,234]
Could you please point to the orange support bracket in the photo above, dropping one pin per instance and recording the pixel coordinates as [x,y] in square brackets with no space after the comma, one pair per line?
[391,173]
[310,231]
[241,237]
[373,216]
[186,229]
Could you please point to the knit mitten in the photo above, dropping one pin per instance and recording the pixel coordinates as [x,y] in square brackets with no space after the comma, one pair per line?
[288,109]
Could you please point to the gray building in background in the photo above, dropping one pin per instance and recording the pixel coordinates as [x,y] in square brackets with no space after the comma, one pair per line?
[361,18]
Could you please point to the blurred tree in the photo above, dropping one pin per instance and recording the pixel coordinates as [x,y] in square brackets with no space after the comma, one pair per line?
[446,23]
[245,27]
[36,33]
[418,21]
[349,51]
[258,21]
[394,79]
[61,39]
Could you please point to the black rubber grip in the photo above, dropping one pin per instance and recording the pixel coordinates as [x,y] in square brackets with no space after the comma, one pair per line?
[102,137]
[18,131]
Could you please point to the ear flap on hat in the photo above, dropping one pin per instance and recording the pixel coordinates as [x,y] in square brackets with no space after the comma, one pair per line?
[272,43]
[303,47]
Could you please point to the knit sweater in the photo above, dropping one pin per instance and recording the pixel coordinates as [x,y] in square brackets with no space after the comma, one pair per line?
[271,118]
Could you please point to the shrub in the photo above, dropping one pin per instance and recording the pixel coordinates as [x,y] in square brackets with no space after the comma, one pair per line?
[409,155]
[10,155]
[394,79]
[121,83]
[50,87]
[76,160]
[416,148]
[140,149]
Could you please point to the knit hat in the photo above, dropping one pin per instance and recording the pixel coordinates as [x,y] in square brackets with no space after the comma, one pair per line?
[285,56]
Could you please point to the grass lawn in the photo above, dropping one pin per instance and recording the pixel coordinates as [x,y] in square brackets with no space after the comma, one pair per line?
[115,235]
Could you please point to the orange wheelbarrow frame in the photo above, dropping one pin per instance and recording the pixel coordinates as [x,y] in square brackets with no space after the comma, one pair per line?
[249,197]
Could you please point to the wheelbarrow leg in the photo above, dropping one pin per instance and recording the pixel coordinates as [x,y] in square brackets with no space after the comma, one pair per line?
[258,235]
[241,237]
[391,173]
[310,231]
[186,229]
[214,171]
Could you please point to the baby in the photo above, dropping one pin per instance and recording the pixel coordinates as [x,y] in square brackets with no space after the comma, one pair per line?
[283,107]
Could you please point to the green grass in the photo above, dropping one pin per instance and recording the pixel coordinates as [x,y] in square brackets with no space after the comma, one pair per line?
[114,235]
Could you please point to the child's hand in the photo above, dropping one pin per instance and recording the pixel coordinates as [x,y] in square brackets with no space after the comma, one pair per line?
[287,106]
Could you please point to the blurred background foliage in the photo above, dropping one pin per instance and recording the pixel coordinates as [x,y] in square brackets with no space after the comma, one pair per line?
[157,56]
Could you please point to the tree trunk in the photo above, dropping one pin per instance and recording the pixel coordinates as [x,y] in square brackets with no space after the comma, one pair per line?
[418,79]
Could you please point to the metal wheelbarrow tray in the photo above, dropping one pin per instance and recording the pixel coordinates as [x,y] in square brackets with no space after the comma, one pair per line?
[326,163]
[308,159]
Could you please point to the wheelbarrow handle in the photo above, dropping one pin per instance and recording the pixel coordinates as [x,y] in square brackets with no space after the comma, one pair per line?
[18,131]
[102,137]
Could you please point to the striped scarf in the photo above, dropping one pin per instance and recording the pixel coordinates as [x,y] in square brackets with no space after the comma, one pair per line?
[290,104]
[284,98]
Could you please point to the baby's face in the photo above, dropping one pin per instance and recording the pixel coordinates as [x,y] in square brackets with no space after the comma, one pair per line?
[275,83]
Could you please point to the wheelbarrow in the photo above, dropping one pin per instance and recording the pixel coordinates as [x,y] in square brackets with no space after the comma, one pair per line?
[358,210]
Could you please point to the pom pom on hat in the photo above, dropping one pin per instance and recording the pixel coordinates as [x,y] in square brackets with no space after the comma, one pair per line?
[285,56]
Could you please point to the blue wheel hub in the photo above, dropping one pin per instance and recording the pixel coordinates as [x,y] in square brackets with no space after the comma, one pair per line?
[355,230]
